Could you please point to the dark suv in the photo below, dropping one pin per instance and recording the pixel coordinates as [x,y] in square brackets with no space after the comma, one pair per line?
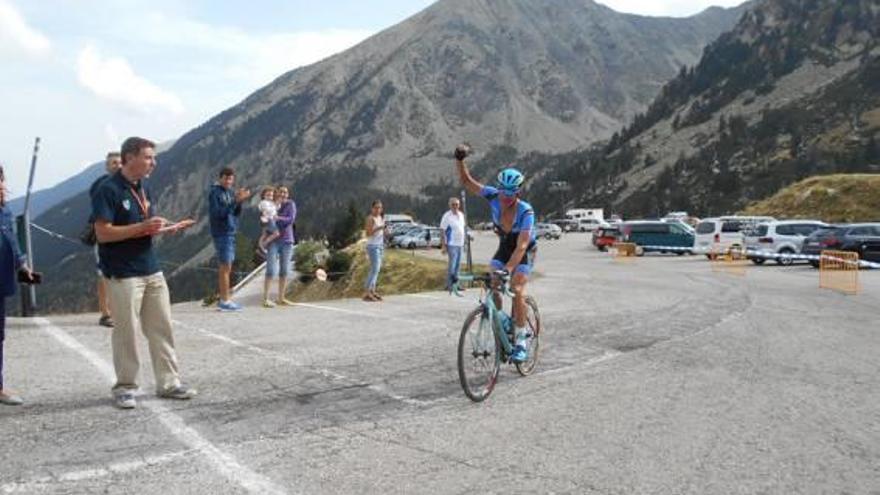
[862,238]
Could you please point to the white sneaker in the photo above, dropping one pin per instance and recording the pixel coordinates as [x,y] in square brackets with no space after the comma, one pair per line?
[124,400]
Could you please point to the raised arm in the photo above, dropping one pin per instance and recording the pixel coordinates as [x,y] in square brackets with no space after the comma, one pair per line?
[464,175]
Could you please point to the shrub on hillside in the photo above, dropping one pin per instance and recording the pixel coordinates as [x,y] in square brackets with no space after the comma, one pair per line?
[307,258]
[347,230]
[338,265]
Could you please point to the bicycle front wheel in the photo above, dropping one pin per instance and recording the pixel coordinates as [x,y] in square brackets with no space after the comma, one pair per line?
[479,356]
[533,326]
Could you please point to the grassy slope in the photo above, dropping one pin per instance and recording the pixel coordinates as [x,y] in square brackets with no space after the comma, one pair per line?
[402,273]
[833,198]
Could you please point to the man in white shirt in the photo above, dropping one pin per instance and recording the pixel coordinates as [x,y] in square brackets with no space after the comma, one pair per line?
[452,240]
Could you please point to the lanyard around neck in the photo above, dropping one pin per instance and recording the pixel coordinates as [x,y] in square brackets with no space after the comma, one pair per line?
[142,200]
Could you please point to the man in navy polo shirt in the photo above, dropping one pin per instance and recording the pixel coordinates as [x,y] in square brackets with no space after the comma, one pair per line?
[125,224]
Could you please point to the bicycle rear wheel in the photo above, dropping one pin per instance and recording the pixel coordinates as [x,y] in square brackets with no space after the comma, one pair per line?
[533,324]
[479,356]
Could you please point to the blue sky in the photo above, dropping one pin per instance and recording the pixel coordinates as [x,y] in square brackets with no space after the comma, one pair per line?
[85,74]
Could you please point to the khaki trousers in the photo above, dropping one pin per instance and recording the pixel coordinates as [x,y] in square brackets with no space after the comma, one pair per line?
[142,303]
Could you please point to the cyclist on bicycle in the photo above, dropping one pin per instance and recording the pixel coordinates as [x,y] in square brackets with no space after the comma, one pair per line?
[514,221]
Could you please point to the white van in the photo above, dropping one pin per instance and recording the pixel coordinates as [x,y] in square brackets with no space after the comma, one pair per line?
[585,213]
[724,233]
[393,218]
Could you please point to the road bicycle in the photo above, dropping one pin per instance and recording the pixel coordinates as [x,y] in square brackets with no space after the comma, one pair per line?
[485,343]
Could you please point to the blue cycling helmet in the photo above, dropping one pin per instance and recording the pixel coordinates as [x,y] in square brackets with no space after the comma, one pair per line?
[510,179]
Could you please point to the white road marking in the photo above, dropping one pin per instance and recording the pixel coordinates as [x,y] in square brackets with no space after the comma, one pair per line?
[455,299]
[360,313]
[50,482]
[332,375]
[423,296]
[223,462]
[606,356]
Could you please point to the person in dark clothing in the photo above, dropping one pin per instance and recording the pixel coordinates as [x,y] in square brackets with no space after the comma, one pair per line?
[112,164]
[11,262]
[224,208]
[125,224]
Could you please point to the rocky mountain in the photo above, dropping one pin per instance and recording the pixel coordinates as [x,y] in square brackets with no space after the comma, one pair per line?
[792,91]
[379,119]
[45,199]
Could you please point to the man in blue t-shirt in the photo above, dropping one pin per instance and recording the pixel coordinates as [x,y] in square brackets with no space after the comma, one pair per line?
[514,221]
[112,164]
[125,223]
[224,208]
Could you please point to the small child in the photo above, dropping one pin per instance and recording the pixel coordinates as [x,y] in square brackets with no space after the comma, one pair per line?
[268,212]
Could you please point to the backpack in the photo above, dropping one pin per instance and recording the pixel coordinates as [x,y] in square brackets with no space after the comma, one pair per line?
[88,235]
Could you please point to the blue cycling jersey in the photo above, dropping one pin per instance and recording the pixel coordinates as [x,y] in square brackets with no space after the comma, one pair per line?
[525,215]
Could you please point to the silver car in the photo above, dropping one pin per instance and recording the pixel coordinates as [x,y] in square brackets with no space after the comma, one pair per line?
[780,237]
[421,238]
[548,231]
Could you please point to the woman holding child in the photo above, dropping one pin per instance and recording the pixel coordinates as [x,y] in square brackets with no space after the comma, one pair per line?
[279,244]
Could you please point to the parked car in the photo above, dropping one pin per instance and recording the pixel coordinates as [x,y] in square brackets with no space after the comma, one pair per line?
[588,224]
[548,231]
[605,236]
[565,224]
[421,238]
[724,233]
[862,238]
[396,229]
[484,226]
[654,235]
[399,231]
[395,218]
[782,237]
[681,222]
[676,215]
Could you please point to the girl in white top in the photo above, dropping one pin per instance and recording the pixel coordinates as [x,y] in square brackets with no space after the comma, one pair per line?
[375,231]
[268,213]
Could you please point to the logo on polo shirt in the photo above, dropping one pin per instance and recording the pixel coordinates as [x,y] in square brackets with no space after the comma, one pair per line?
[126,204]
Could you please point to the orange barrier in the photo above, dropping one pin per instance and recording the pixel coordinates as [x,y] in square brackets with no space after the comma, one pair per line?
[730,261]
[839,270]
[623,251]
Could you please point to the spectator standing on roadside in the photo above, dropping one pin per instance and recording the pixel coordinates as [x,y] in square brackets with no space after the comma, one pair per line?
[375,231]
[452,240]
[11,262]
[224,208]
[280,251]
[111,164]
[125,224]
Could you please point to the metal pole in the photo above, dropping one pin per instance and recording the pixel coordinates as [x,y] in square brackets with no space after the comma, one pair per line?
[30,304]
[467,237]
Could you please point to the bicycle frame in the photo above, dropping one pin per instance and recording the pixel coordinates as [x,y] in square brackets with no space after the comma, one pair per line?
[487,301]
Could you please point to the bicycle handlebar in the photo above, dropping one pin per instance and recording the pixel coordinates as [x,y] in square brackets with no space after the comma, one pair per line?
[487,278]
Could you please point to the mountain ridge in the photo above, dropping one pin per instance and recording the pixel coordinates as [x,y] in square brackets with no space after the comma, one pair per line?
[752,116]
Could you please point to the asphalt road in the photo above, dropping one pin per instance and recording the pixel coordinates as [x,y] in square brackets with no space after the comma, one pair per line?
[658,376]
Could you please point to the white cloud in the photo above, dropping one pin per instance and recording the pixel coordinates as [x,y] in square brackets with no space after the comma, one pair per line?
[256,58]
[16,33]
[112,135]
[676,8]
[112,78]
